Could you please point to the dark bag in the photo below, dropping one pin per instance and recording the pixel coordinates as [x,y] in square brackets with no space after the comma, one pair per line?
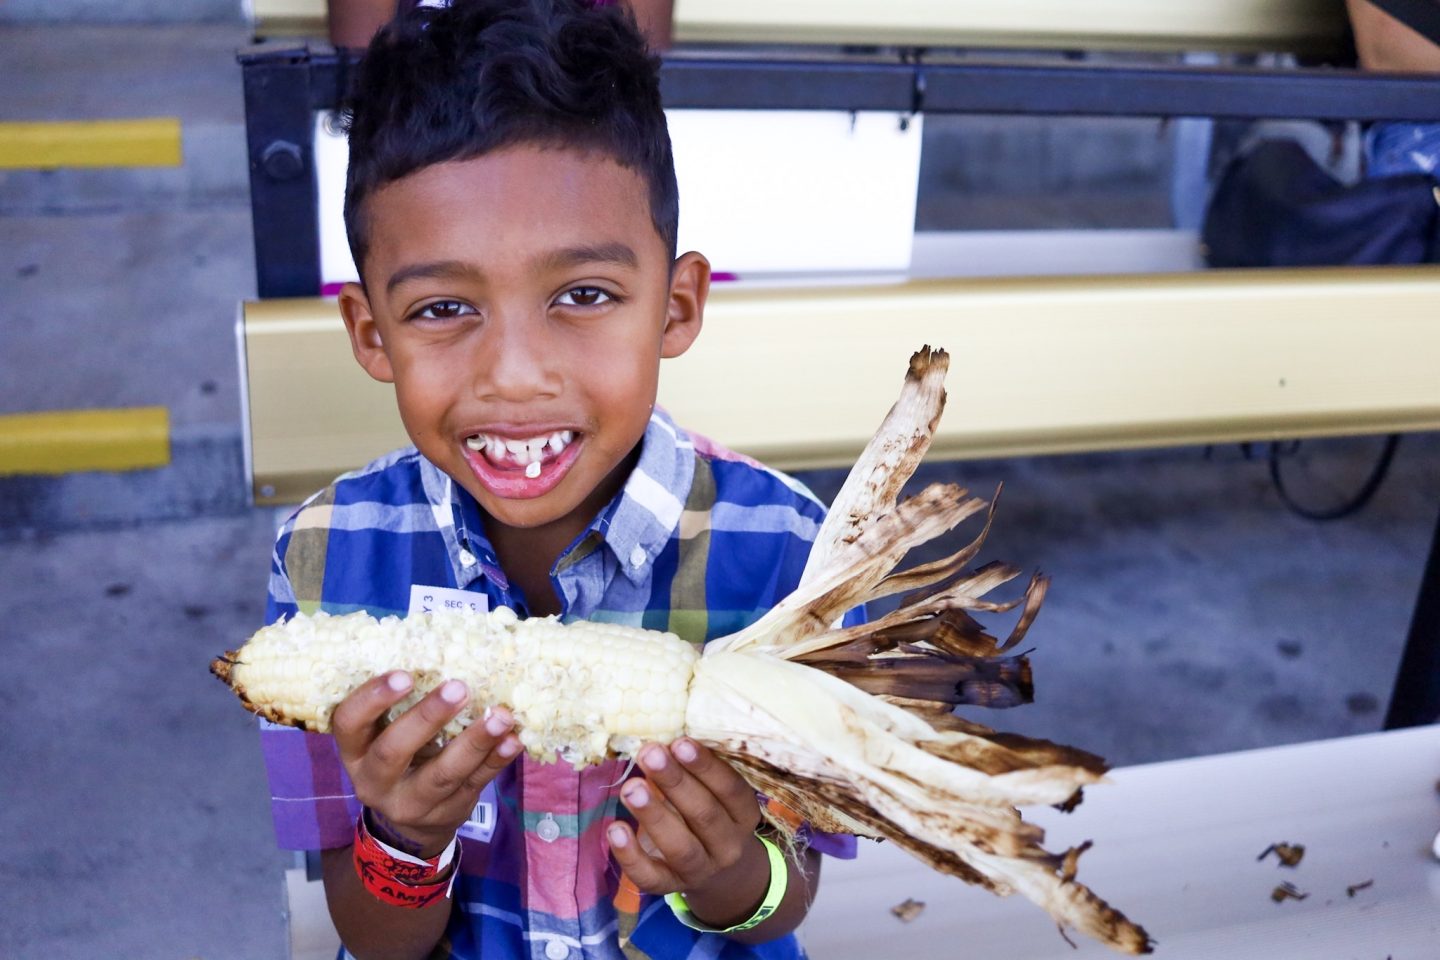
[1274,206]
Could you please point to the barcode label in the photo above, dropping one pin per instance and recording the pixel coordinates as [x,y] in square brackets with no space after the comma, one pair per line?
[481,824]
[432,599]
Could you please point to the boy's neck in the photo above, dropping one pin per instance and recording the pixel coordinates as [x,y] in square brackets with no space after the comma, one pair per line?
[527,557]
[528,554]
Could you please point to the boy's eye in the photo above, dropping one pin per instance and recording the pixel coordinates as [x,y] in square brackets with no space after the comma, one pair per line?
[444,310]
[584,297]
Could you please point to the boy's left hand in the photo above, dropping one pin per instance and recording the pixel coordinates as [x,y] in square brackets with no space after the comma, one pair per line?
[697,819]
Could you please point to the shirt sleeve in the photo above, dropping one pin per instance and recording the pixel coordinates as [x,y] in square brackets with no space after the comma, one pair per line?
[312,802]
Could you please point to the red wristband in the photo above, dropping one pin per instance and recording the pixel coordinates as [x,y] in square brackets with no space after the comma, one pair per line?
[401,880]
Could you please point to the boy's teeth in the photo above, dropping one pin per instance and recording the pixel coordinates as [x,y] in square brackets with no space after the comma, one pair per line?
[526,453]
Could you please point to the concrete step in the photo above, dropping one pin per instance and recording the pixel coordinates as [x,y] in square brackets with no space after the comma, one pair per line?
[124,309]
[121,11]
[157,767]
[215,173]
[205,478]
[81,73]
[88,71]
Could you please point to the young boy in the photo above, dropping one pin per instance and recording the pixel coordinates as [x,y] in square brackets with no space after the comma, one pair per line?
[511,205]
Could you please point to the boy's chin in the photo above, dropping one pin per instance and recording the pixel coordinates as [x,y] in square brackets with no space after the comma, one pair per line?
[524,518]
[531,511]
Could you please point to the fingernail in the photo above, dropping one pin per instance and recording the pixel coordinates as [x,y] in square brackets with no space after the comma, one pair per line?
[496,725]
[399,681]
[685,750]
[637,797]
[618,837]
[453,691]
[508,748]
[653,758]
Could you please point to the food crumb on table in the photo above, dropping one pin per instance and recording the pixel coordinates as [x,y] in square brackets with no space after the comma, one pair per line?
[908,910]
[1287,891]
[1289,854]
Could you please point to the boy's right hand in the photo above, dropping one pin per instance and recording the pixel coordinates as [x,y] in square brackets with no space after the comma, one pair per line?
[418,800]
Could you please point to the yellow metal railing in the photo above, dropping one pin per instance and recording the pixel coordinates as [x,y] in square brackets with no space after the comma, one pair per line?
[798,378]
[1232,25]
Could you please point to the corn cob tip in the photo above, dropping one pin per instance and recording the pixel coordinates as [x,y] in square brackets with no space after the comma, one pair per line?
[222,667]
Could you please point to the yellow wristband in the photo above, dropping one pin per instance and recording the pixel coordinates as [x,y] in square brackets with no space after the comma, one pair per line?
[779,880]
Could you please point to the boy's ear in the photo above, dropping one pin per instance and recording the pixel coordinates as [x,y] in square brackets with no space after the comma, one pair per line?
[685,313]
[364,333]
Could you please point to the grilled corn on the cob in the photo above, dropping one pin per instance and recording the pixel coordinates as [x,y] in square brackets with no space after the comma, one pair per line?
[580,691]
[851,728]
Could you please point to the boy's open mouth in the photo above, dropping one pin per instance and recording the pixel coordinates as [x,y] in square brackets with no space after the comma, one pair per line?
[528,455]
[524,467]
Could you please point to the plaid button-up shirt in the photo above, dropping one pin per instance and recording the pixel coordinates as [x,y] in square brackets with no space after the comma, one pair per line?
[700,542]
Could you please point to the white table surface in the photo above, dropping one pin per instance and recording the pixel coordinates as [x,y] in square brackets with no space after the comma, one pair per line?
[1175,850]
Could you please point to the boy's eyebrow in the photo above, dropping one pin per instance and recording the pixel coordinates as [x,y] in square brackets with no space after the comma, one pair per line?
[616,253]
[440,269]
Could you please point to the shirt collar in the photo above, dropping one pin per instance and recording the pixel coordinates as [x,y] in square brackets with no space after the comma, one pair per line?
[470,553]
[635,526]
[641,520]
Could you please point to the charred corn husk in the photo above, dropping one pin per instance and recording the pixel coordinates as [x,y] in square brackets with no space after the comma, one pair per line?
[852,728]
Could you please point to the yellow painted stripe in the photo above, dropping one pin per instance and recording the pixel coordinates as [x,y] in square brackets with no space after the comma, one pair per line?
[67,441]
[49,145]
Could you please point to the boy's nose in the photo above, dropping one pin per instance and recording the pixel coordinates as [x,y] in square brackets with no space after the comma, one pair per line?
[517,363]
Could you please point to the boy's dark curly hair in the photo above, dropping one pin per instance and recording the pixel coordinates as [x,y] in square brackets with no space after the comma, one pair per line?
[452,83]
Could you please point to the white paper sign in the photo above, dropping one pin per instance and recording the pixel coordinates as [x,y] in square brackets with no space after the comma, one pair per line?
[762,192]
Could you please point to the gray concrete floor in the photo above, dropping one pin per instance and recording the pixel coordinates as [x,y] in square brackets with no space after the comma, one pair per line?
[136,786]
[1190,613]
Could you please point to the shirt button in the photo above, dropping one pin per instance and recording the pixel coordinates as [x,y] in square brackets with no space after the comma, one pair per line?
[555,950]
[549,831]
[637,556]
[467,559]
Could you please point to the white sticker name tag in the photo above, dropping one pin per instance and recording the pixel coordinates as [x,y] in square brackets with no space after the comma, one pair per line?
[433,599]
